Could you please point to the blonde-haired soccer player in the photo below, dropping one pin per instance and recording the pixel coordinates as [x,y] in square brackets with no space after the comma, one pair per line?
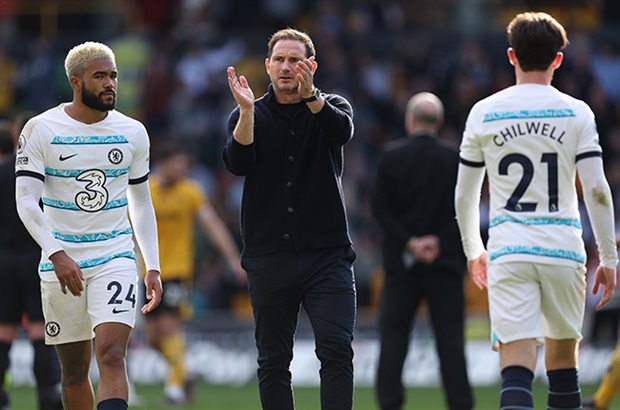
[89,166]
[532,140]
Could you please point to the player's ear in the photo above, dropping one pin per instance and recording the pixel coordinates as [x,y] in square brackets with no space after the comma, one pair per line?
[557,61]
[76,82]
[267,65]
[512,57]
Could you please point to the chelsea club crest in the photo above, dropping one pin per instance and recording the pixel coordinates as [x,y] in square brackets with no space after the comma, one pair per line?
[115,156]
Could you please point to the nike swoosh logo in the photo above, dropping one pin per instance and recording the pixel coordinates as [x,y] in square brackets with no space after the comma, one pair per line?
[115,310]
[67,157]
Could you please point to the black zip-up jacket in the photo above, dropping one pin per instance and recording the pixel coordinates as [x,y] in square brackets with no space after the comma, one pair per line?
[292,193]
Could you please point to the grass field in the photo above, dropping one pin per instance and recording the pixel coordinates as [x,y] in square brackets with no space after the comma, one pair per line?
[209,397]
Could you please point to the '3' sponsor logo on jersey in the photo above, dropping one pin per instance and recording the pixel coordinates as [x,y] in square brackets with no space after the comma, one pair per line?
[95,195]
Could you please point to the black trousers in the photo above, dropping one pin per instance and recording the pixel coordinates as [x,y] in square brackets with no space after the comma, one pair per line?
[20,286]
[401,295]
[322,281]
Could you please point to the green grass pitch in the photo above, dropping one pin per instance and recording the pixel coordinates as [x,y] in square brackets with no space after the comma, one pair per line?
[210,397]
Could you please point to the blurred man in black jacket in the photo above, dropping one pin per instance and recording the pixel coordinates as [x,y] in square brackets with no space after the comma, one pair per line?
[20,292]
[412,199]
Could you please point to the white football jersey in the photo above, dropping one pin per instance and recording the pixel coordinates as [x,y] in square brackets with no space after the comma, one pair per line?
[530,137]
[86,169]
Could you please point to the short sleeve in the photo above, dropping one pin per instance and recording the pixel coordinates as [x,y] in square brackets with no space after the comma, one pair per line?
[139,168]
[30,152]
[587,134]
[470,149]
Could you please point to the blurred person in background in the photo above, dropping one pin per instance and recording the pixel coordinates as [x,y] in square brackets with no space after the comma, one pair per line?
[179,203]
[610,385]
[20,290]
[412,199]
[89,165]
[532,140]
[297,251]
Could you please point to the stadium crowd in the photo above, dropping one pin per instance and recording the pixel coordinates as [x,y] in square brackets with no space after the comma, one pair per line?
[172,58]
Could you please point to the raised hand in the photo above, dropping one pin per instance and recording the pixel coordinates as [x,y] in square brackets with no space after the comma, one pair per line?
[304,70]
[241,91]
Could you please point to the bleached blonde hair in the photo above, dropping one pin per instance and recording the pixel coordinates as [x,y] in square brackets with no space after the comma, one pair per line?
[79,56]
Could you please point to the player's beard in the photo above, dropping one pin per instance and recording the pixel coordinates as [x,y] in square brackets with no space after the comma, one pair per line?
[96,102]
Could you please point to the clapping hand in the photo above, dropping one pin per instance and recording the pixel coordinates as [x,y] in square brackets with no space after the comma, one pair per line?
[304,70]
[241,91]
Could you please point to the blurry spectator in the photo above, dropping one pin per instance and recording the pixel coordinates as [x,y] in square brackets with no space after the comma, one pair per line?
[606,68]
[133,52]
[8,69]
[34,78]
[158,84]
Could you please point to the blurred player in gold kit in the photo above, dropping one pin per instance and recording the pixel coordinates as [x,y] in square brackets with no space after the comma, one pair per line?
[611,381]
[179,203]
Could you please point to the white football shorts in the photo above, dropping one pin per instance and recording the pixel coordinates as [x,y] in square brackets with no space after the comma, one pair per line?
[535,301]
[110,295]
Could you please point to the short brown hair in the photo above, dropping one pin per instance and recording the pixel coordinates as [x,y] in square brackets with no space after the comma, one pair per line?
[291,34]
[536,38]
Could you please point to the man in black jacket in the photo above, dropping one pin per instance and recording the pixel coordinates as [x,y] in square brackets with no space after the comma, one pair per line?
[20,291]
[296,247]
[422,253]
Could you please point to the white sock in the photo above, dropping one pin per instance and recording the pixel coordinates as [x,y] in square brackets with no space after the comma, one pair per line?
[174,393]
